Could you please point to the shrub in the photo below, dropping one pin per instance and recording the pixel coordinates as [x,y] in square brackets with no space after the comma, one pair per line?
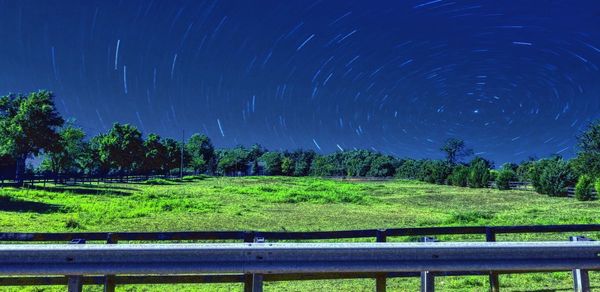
[584,187]
[554,177]
[597,186]
[479,173]
[505,176]
[434,171]
[459,176]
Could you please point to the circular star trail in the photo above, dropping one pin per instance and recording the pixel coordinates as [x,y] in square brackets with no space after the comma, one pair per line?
[513,79]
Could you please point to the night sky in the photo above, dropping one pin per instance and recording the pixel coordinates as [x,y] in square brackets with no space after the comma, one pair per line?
[511,78]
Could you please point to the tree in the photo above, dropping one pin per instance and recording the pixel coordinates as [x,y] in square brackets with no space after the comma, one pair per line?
[584,188]
[28,126]
[303,161]
[155,155]
[588,156]
[232,161]
[202,154]
[172,158]
[455,150]
[64,156]
[122,148]
[459,176]
[287,166]
[479,173]
[382,166]
[273,163]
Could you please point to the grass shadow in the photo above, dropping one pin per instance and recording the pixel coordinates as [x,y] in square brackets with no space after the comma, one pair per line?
[9,204]
[81,190]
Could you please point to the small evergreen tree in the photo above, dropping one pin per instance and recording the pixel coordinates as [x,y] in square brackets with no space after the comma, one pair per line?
[584,187]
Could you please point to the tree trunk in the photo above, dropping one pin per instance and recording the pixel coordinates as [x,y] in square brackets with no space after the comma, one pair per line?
[20,170]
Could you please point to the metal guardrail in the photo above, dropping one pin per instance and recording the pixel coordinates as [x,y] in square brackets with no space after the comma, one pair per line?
[380,235]
[260,259]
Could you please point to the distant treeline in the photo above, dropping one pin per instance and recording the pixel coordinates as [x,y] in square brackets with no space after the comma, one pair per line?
[31,126]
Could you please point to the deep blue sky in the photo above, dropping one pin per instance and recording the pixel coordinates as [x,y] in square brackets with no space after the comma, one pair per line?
[512,78]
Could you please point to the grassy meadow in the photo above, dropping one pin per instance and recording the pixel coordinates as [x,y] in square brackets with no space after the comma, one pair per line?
[295,204]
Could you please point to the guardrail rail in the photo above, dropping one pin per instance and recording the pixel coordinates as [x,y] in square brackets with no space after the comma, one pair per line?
[259,256]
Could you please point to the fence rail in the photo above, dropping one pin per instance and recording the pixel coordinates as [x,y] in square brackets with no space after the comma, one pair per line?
[380,236]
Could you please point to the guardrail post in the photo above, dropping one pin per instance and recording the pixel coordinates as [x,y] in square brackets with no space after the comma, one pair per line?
[381,279]
[427,277]
[109,280]
[490,236]
[257,280]
[75,282]
[252,282]
[581,279]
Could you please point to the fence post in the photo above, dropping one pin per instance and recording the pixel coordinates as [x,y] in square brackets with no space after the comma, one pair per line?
[75,282]
[581,279]
[490,236]
[109,280]
[427,277]
[381,279]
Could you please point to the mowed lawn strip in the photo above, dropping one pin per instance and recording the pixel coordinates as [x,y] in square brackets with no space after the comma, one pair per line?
[296,204]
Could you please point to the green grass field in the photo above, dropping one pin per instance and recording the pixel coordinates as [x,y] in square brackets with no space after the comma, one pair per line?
[296,204]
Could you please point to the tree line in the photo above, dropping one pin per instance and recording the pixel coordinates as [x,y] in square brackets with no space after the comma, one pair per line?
[30,125]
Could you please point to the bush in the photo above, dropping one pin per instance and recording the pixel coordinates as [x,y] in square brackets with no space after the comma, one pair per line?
[479,173]
[597,186]
[505,176]
[434,171]
[459,176]
[555,176]
[584,188]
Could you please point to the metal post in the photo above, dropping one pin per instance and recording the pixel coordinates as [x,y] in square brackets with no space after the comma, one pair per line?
[490,236]
[109,280]
[249,278]
[75,282]
[427,278]
[381,279]
[257,285]
[581,279]
[427,282]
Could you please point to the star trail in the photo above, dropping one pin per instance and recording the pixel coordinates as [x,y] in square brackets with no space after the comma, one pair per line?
[511,78]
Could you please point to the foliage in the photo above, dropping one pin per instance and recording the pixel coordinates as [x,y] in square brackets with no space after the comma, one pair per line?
[584,188]
[202,154]
[273,161]
[287,166]
[505,176]
[588,157]
[28,125]
[67,154]
[552,176]
[479,173]
[122,147]
[455,150]
[155,155]
[459,176]
[232,161]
